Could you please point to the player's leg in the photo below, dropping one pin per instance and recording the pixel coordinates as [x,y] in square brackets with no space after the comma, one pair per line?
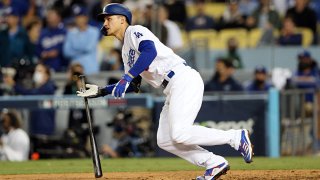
[185,100]
[192,153]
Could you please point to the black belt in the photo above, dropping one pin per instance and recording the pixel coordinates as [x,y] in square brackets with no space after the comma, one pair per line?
[169,75]
[165,82]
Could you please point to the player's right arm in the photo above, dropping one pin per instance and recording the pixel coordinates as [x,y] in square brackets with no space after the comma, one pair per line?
[95,91]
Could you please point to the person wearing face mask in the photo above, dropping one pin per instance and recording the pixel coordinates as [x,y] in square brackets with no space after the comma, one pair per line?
[41,121]
[14,143]
[260,82]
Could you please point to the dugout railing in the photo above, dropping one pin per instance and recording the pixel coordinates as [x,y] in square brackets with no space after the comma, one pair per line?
[299,119]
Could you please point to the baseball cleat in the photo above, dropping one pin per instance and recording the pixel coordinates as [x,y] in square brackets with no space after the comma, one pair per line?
[215,172]
[245,147]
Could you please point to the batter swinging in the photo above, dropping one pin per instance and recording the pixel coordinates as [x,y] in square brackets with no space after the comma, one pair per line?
[144,55]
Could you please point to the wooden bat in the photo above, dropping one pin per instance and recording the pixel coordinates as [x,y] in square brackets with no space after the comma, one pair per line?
[94,149]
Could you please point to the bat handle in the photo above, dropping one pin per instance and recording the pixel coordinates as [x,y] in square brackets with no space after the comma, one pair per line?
[83,83]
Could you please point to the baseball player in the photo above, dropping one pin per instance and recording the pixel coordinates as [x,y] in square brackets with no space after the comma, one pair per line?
[144,55]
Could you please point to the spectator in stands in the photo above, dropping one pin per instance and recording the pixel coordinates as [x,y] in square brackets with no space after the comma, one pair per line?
[74,83]
[246,7]
[260,80]
[96,9]
[65,7]
[288,34]
[177,11]
[306,77]
[315,4]
[200,20]
[81,42]
[232,17]
[282,6]
[33,14]
[34,30]
[232,53]
[131,136]
[304,16]
[121,146]
[41,121]
[49,48]
[15,142]
[7,74]
[43,7]
[113,62]
[153,24]
[307,74]
[78,123]
[14,41]
[136,9]
[174,38]
[222,79]
[4,4]
[266,18]
[20,6]
[2,17]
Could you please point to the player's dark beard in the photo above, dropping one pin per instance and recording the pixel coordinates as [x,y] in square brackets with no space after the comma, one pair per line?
[104,31]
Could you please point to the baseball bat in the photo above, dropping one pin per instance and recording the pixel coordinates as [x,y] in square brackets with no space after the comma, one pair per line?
[94,149]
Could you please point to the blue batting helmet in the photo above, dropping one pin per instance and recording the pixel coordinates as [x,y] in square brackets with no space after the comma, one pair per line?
[115,9]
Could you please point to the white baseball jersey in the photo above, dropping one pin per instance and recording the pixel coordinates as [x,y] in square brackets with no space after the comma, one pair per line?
[165,60]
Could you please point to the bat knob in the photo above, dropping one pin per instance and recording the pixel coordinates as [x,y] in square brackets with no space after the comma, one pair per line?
[82,76]
[83,83]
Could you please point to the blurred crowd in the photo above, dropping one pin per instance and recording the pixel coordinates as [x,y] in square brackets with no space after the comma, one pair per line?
[41,37]
[58,33]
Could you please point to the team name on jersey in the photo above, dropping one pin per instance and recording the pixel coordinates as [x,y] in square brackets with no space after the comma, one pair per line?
[49,42]
[131,56]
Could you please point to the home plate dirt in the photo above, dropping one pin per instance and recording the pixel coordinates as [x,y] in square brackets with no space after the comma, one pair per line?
[176,175]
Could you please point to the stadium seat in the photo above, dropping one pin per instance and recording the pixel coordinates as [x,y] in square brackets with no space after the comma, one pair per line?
[203,36]
[276,33]
[212,9]
[239,33]
[254,36]
[216,9]
[108,42]
[185,38]
[307,36]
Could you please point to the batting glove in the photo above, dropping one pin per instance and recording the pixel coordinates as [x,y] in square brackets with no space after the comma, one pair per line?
[120,88]
[93,91]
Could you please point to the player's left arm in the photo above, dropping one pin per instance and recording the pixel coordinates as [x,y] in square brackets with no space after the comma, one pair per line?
[148,53]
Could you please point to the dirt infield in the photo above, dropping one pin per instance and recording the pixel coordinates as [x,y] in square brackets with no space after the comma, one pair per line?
[177,175]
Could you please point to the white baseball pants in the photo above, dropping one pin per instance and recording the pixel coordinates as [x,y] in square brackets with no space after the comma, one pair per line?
[177,134]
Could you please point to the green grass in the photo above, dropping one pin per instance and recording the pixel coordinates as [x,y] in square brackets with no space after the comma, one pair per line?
[150,164]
